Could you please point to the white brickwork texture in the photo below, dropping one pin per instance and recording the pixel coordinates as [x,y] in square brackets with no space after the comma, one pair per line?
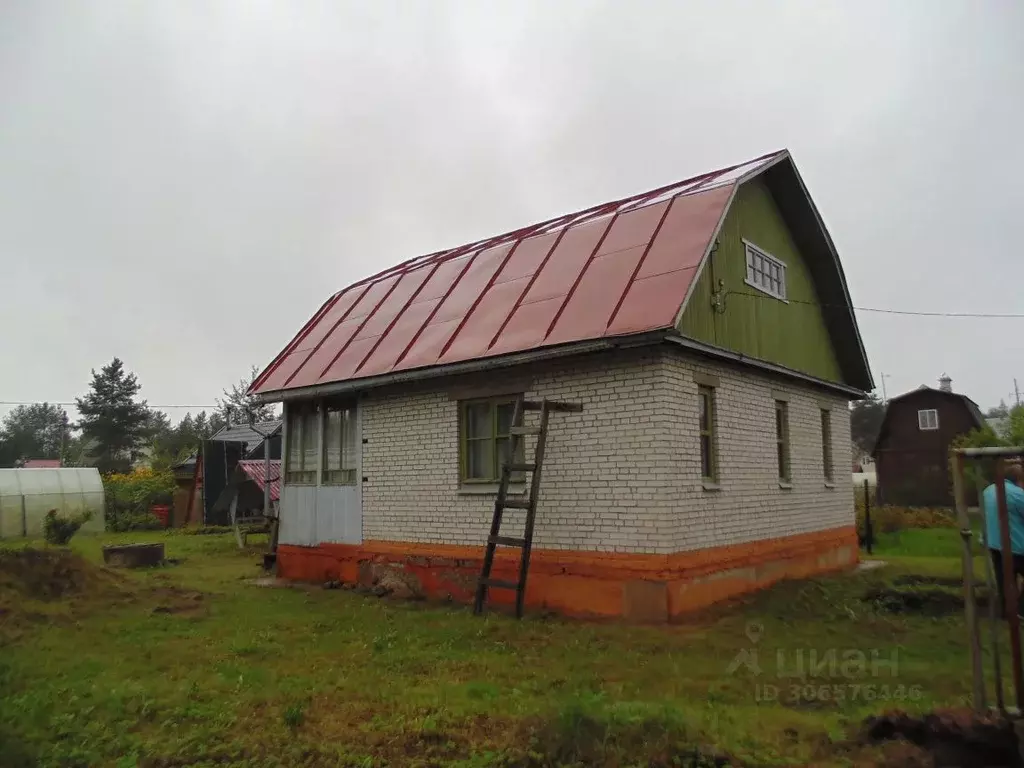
[623,475]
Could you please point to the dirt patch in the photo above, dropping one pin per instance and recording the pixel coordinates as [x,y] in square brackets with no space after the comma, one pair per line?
[390,581]
[57,585]
[921,599]
[917,580]
[950,738]
[50,574]
[171,600]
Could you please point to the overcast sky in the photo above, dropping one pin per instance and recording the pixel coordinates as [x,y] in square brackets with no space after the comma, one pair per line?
[182,184]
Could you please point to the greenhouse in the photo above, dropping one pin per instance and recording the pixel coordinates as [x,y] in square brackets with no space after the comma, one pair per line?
[26,495]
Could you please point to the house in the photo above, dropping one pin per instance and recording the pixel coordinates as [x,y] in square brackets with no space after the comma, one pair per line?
[912,449]
[705,327]
[41,464]
[213,465]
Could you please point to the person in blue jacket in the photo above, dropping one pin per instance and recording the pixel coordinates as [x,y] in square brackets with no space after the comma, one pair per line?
[1015,510]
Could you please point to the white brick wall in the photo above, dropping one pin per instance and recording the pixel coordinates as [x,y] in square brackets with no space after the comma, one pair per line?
[750,504]
[622,476]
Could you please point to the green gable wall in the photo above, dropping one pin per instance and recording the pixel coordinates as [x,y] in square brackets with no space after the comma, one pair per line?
[749,321]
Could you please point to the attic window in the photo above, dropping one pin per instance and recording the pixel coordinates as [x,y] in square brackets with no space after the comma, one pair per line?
[765,272]
[928,419]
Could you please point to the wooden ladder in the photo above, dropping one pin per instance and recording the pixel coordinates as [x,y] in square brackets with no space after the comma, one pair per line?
[517,433]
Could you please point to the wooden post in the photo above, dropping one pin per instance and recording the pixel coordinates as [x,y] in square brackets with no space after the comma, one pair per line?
[970,606]
[234,521]
[24,518]
[869,534]
[993,617]
[1010,586]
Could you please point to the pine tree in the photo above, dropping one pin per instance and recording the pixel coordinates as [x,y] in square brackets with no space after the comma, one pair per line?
[114,426]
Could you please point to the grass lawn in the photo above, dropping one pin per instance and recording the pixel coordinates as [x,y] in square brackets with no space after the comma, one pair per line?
[189,664]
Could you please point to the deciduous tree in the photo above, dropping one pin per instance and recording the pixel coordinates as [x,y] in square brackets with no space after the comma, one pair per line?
[239,407]
[36,431]
[865,420]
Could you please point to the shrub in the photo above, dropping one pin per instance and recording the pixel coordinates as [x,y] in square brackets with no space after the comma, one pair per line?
[59,530]
[204,530]
[130,496]
[889,519]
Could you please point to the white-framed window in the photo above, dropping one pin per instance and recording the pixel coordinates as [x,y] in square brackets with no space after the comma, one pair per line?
[339,460]
[303,443]
[765,272]
[928,419]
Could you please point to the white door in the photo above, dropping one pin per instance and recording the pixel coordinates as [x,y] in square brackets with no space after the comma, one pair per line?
[327,507]
[339,508]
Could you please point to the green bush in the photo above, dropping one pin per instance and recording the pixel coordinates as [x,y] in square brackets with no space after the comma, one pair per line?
[129,498]
[204,530]
[890,519]
[59,530]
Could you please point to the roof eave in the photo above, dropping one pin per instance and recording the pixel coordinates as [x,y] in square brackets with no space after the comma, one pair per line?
[780,370]
[348,386]
[869,379]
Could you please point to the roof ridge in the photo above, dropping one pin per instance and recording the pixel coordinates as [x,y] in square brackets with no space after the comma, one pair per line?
[559,222]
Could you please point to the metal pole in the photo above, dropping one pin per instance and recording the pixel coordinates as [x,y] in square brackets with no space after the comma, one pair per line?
[869,535]
[993,595]
[970,607]
[1010,586]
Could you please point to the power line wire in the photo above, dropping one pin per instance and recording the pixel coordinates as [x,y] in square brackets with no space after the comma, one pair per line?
[913,313]
[996,315]
[72,402]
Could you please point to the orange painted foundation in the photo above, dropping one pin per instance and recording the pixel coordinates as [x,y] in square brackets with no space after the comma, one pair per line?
[586,584]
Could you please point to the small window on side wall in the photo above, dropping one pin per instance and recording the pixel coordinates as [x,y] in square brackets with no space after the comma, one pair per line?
[485,440]
[340,461]
[708,457]
[826,444]
[765,272]
[782,441]
[928,419]
[303,438]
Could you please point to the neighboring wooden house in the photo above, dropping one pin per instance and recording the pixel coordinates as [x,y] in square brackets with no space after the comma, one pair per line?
[912,450]
[705,327]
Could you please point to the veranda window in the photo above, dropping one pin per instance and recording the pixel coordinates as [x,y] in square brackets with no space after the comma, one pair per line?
[303,437]
[340,459]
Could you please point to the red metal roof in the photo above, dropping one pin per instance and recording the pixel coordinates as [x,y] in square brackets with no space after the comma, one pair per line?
[41,464]
[256,471]
[615,269]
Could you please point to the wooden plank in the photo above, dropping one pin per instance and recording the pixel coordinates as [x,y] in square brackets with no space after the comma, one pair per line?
[506,541]
[561,407]
[518,503]
[499,583]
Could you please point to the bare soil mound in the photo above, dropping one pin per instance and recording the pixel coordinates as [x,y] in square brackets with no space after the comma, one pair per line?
[957,738]
[51,585]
